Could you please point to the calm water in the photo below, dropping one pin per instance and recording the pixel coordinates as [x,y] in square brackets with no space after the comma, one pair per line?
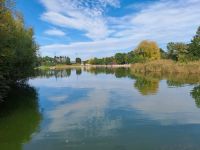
[102,109]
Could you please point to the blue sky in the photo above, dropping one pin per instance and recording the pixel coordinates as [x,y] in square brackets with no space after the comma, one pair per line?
[98,28]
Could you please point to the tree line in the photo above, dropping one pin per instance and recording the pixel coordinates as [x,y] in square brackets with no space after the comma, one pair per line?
[145,51]
[56,60]
[149,50]
[18,49]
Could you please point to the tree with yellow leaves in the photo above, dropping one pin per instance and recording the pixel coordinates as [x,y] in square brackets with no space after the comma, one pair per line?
[148,50]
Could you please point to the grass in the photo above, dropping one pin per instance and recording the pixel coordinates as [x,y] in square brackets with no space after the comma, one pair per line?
[60,66]
[167,66]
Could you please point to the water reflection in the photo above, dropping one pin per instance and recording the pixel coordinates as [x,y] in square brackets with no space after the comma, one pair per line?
[78,71]
[196,95]
[113,108]
[145,83]
[54,73]
[148,83]
[146,86]
[19,117]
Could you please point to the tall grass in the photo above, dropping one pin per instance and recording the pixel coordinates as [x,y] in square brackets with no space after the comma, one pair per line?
[167,66]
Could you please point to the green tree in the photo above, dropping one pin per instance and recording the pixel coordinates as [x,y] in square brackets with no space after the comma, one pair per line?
[194,46]
[96,61]
[120,58]
[91,61]
[148,50]
[47,61]
[177,51]
[78,60]
[68,61]
[171,51]
[129,57]
[18,50]
[108,60]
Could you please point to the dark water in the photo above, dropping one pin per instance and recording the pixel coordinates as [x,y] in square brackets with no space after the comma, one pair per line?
[102,109]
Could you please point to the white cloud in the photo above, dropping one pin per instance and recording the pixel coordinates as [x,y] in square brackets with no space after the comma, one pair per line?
[83,15]
[163,21]
[176,108]
[55,32]
[89,49]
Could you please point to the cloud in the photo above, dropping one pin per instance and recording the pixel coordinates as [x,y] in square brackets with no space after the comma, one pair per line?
[163,21]
[78,111]
[176,108]
[83,15]
[55,32]
[88,49]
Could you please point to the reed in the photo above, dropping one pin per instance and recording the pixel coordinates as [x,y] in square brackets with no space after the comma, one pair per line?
[167,66]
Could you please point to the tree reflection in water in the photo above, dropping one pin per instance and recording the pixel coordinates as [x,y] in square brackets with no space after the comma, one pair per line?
[148,83]
[145,83]
[195,93]
[19,117]
[146,86]
[78,71]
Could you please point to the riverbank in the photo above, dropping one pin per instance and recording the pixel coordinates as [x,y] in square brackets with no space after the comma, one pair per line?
[161,66]
[167,66]
[110,66]
[58,67]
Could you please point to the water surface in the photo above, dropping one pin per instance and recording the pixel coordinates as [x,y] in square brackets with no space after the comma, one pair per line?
[110,109]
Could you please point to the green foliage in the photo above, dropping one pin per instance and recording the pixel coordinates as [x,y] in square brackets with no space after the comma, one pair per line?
[138,59]
[96,61]
[46,61]
[120,58]
[67,61]
[185,52]
[148,50]
[92,61]
[18,50]
[57,60]
[195,93]
[78,60]
[177,51]
[108,60]
[194,46]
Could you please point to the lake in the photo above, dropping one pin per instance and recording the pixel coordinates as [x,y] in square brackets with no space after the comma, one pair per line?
[102,109]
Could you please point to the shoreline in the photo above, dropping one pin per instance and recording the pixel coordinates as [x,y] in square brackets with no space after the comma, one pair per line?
[83,66]
[160,66]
